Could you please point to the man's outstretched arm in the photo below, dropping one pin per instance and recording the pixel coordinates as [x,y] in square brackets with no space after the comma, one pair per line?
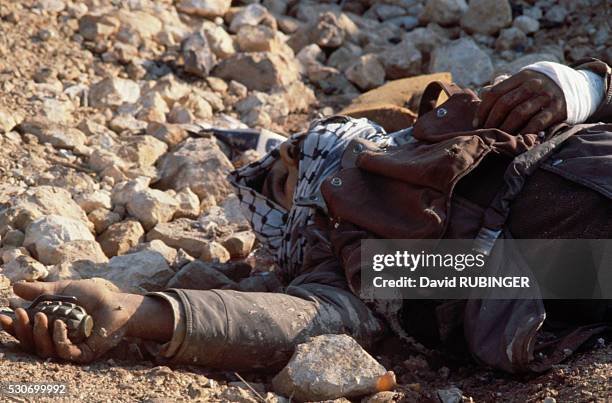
[219,328]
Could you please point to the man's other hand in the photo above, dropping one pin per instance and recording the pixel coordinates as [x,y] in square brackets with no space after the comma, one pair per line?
[527,102]
[115,315]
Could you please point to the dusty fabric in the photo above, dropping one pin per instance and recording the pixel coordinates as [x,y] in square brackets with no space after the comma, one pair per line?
[170,348]
[246,330]
[551,194]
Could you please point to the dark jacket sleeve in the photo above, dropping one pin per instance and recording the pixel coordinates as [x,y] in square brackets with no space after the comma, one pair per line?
[604,112]
[226,329]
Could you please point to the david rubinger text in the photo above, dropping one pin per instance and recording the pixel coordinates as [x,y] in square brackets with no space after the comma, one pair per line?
[454,282]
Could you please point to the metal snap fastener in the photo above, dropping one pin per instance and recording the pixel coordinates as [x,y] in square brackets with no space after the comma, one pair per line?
[441,112]
[336,181]
[358,148]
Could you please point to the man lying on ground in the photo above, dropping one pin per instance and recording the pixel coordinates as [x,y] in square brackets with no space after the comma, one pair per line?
[293,196]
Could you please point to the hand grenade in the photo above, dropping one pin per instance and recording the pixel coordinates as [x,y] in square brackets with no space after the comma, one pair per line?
[64,308]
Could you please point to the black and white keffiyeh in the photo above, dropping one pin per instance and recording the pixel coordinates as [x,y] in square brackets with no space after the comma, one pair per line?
[279,230]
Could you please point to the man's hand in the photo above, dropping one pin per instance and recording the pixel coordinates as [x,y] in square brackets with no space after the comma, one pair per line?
[527,102]
[115,315]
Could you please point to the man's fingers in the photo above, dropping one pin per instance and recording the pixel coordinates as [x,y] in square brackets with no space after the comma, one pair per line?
[488,100]
[7,324]
[63,346]
[32,290]
[42,338]
[505,104]
[68,351]
[541,121]
[491,94]
[520,116]
[23,329]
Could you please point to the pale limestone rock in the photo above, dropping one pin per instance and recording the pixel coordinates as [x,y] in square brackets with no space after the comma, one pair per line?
[215,252]
[402,60]
[102,219]
[367,72]
[152,206]
[487,16]
[124,191]
[63,271]
[469,65]
[138,272]
[47,233]
[212,98]
[55,134]
[97,27]
[180,115]
[196,103]
[511,39]
[153,108]
[57,111]
[258,38]
[100,199]
[146,25]
[204,8]
[51,6]
[171,89]
[199,164]
[253,14]
[328,367]
[240,244]
[112,92]
[260,71]
[189,204]
[126,122]
[220,42]
[9,253]
[142,151]
[119,238]
[226,218]
[24,268]
[7,121]
[182,233]
[170,254]
[198,56]
[37,202]
[526,24]
[72,251]
[444,12]
[327,31]
[170,134]
[217,85]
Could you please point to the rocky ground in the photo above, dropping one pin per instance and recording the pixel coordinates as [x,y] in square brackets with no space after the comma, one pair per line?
[99,176]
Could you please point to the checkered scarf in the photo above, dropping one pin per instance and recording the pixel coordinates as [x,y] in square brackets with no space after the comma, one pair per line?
[281,231]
